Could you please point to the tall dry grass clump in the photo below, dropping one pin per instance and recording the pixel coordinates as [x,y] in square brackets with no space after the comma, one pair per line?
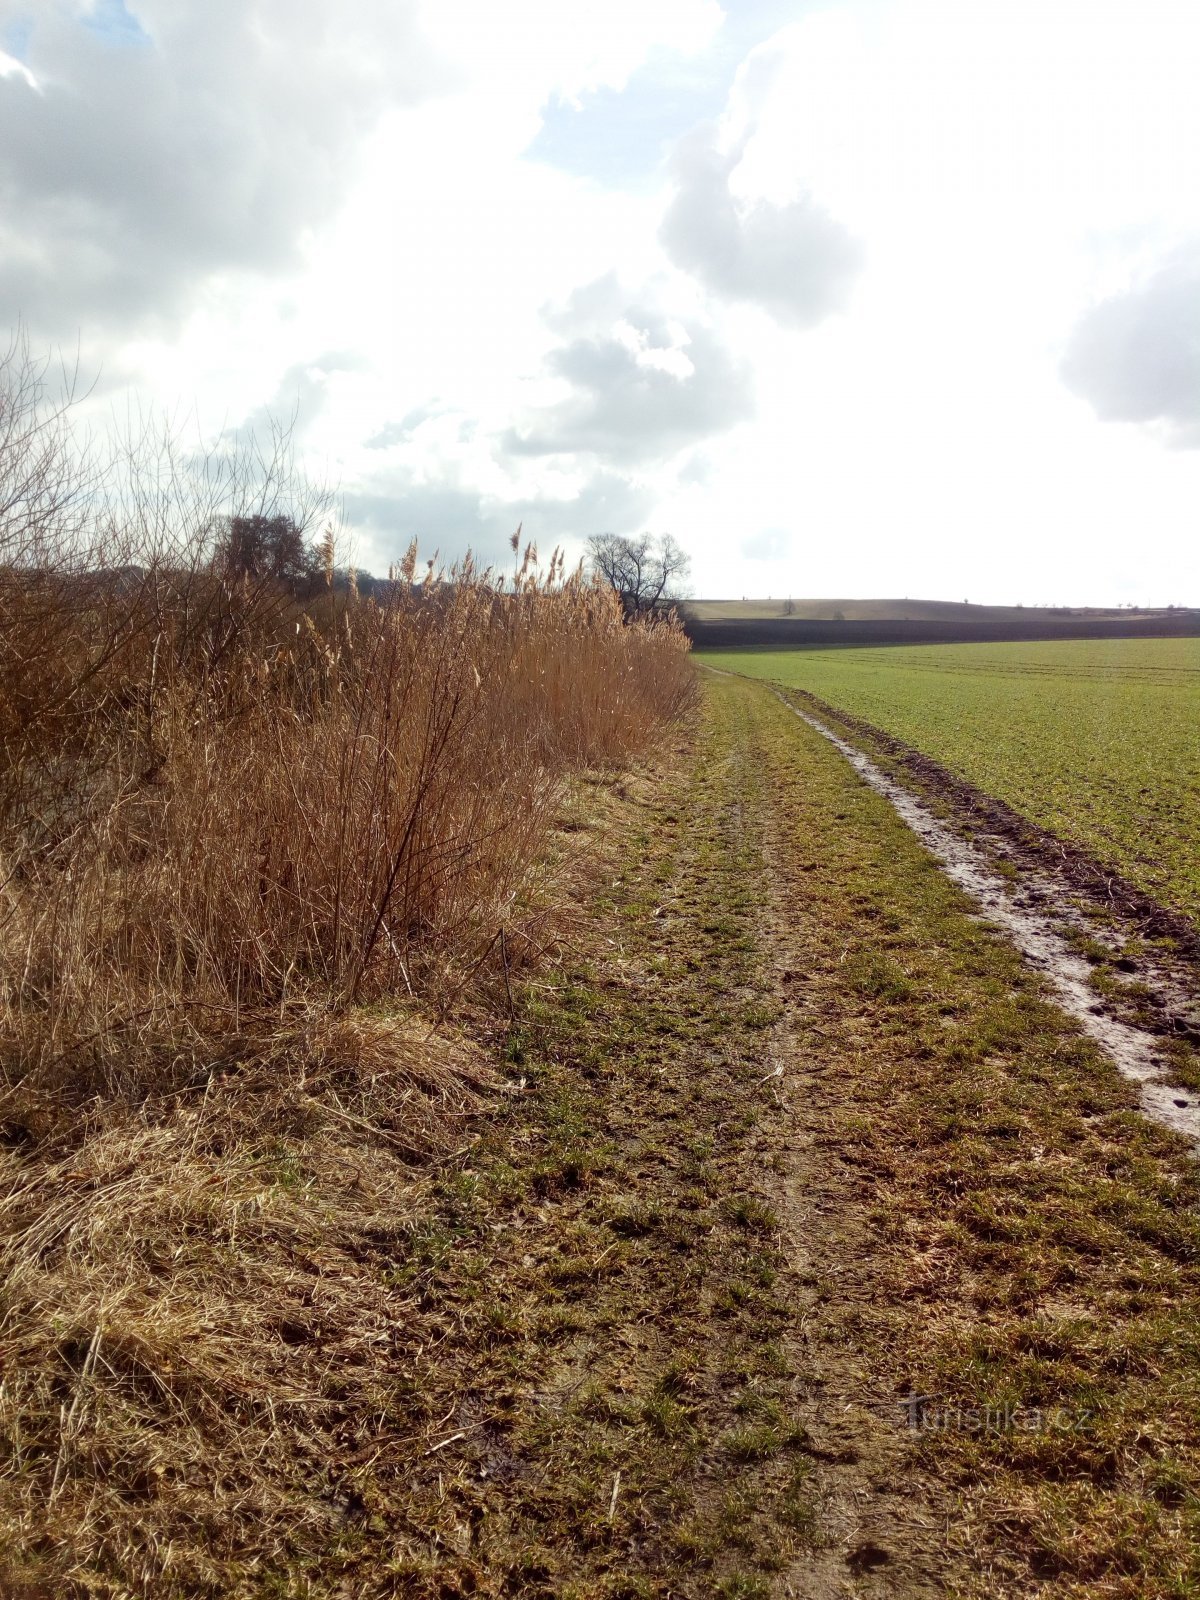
[227,796]
[254,826]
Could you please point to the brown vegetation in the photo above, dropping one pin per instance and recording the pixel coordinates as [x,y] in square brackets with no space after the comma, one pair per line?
[220,804]
[253,838]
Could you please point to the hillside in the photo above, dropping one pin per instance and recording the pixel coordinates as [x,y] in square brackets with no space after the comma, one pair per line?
[713,624]
[905,610]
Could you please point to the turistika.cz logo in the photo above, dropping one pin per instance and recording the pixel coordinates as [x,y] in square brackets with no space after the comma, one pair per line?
[922,1413]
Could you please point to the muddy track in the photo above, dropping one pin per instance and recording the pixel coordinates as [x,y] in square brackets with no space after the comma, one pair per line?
[1023,914]
[1031,847]
[947,1144]
[884,1519]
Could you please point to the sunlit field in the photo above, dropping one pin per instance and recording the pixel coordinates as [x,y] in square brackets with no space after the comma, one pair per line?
[1097,740]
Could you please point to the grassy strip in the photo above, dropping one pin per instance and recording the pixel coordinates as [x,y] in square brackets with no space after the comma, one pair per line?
[551,1363]
[1115,927]
[1033,1240]
[610,1381]
[673,1311]
[788,1137]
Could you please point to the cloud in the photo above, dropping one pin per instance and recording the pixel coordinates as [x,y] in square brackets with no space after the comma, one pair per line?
[607,502]
[389,511]
[388,514]
[1136,356]
[302,395]
[795,261]
[642,384]
[770,544]
[622,133]
[147,146]
[399,432]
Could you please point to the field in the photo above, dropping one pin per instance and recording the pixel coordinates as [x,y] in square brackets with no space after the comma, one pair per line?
[780,1136]
[488,1108]
[1095,740]
[904,609]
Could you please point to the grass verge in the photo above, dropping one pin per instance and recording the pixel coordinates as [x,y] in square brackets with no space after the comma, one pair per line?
[1028,1242]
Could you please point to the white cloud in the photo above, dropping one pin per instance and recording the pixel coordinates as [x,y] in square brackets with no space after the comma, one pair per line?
[1136,355]
[794,259]
[527,50]
[263,203]
[1003,165]
[640,386]
[199,139]
[768,544]
[10,67]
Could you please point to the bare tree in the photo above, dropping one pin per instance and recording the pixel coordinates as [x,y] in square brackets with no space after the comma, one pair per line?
[128,565]
[258,547]
[648,574]
[47,473]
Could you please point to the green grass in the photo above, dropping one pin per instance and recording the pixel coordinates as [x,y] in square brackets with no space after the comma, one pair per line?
[1003,1227]
[1095,740]
[709,1280]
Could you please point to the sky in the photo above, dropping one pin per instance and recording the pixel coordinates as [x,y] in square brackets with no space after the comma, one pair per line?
[871,297]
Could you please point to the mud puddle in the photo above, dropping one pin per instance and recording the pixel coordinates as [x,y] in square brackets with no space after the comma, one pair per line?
[1136,1051]
[1070,871]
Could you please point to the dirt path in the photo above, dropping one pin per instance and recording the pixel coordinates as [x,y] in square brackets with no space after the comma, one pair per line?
[931,1094]
[1136,1051]
[801,1139]
[883,1525]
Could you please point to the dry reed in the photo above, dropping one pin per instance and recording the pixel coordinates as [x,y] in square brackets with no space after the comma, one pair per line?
[220,799]
[249,831]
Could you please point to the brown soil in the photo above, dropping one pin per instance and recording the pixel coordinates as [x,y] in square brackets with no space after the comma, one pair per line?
[884,1525]
[884,1521]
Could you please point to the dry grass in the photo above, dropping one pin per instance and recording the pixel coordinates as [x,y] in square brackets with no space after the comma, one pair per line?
[219,799]
[252,838]
[342,812]
[197,1317]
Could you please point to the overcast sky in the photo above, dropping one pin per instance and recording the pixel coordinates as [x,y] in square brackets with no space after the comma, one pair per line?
[880,297]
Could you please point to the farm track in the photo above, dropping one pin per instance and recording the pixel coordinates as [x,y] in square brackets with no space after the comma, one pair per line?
[1036,914]
[1007,833]
[1094,743]
[867,1215]
[806,1140]
[788,1138]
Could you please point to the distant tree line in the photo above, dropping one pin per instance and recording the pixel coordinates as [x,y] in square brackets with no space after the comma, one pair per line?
[647,574]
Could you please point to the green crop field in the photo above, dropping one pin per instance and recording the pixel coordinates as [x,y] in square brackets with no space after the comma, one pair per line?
[1097,740]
